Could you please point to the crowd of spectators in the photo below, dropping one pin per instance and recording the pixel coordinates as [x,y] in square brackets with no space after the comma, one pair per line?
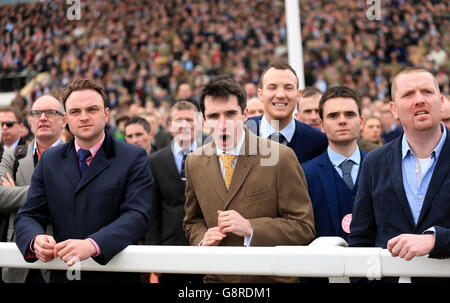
[141,51]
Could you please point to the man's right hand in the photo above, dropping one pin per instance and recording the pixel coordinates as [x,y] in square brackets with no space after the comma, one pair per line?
[44,248]
[213,237]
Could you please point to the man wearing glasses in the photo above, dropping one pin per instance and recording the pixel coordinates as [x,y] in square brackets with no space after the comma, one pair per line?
[11,121]
[16,168]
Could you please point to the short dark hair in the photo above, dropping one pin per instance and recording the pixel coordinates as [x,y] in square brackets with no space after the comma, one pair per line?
[276,64]
[339,92]
[82,84]
[17,113]
[223,87]
[138,120]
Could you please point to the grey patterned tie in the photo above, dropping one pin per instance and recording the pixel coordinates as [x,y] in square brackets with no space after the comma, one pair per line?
[346,167]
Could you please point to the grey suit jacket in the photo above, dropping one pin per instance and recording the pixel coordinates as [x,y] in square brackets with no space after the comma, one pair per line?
[12,198]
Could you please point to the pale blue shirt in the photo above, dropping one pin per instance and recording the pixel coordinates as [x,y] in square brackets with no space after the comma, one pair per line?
[265,129]
[336,160]
[12,145]
[177,152]
[417,174]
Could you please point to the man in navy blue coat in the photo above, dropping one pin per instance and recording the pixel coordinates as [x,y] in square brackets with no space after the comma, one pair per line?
[279,91]
[96,190]
[332,177]
[403,197]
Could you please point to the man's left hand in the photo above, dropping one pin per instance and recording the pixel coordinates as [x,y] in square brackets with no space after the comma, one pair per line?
[72,251]
[231,221]
[408,246]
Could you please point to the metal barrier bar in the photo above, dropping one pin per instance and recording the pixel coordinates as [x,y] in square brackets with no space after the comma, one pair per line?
[325,257]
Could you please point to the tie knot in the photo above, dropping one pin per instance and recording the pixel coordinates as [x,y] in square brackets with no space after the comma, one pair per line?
[278,137]
[227,159]
[346,166]
[83,154]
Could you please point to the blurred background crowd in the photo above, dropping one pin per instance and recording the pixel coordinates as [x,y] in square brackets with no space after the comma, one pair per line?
[148,54]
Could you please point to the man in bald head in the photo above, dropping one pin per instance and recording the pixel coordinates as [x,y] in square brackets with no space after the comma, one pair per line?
[16,168]
[254,107]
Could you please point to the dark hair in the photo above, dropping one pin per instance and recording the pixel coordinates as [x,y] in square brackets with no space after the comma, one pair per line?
[338,92]
[277,64]
[223,87]
[138,120]
[82,84]
[14,110]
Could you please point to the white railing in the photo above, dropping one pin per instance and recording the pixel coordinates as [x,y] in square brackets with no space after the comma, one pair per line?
[324,257]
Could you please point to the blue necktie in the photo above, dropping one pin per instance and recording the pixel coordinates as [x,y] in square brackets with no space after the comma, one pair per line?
[183,177]
[83,154]
[346,167]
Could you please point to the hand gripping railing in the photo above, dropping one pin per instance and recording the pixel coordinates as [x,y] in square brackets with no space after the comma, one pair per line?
[324,257]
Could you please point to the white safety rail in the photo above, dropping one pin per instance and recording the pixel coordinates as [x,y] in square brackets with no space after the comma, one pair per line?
[325,257]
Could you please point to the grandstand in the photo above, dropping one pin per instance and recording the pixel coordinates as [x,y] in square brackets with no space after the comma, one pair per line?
[140,51]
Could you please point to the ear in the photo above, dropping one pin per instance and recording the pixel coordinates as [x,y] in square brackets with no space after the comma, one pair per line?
[107,113]
[393,109]
[259,93]
[64,120]
[245,114]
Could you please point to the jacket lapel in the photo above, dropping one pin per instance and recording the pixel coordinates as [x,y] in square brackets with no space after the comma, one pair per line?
[243,166]
[394,162]
[26,166]
[170,165]
[440,173]
[98,164]
[355,187]
[70,165]
[330,190]
[212,171]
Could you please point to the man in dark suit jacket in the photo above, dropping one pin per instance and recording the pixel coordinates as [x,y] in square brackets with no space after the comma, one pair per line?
[402,202]
[332,185]
[278,90]
[96,190]
[167,166]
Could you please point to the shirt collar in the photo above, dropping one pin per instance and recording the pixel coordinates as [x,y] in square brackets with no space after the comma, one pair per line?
[53,145]
[266,129]
[177,149]
[436,151]
[336,158]
[94,149]
[12,145]
[236,150]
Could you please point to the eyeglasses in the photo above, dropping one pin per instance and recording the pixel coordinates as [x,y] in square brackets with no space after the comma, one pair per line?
[9,123]
[49,113]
